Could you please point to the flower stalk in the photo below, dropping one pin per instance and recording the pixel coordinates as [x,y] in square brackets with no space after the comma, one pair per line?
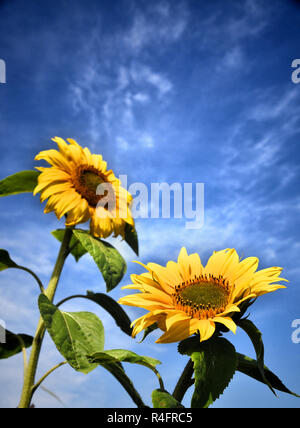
[29,377]
[184,382]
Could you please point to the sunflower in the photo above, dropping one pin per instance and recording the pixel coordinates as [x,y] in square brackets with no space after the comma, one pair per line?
[79,186]
[186,298]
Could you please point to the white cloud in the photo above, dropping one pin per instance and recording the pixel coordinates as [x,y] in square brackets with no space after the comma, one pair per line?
[122,144]
[159,25]
[141,97]
[273,105]
[233,59]
[147,141]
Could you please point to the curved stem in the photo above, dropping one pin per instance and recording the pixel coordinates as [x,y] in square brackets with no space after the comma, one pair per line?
[34,276]
[184,382]
[161,383]
[75,296]
[40,332]
[35,387]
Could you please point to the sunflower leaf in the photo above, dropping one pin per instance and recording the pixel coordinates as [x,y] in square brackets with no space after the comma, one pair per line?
[131,238]
[249,367]
[119,373]
[111,361]
[215,363]
[122,355]
[75,334]
[189,345]
[77,250]
[13,343]
[5,261]
[21,182]
[113,308]
[108,259]
[164,400]
[256,338]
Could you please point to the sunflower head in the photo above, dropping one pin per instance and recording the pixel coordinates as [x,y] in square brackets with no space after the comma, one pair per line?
[78,185]
[186,298]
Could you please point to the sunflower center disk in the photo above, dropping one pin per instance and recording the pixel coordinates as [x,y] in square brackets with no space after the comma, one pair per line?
[203,297]
[91,180]
[86,183]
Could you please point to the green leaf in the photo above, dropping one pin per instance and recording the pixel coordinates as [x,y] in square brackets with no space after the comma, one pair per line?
[131,238]
[75,335]
[13,344]
[111,360]
[119,373]
[108,259]
[256,338]
[215,363]
[21,182]
[77,249]
[5,261]
[189,345]
[113,308]
[122,355]
[164,400]
[249,367]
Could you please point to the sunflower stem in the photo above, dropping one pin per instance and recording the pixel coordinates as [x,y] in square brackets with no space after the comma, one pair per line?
[31,368]
[160,380]
[184,382]
[35,387]
[34,276]
[75,296]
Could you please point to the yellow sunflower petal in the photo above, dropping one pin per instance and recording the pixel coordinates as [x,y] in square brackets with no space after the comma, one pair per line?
[206,329]
[178,331]
[184,265]
[196,265]
[53,188]
[55,159]
[222,262]
[174,316]
[228,322]
[165,276]
[44,181]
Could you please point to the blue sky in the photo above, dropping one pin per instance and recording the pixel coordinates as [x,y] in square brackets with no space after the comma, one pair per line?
[192,91]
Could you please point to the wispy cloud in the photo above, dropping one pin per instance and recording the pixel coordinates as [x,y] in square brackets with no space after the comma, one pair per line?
[157,25]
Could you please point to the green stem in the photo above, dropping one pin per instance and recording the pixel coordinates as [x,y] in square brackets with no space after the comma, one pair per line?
[75,296]
[40,332]
[160,380]
[184,382]
[34,276]
[35,387]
